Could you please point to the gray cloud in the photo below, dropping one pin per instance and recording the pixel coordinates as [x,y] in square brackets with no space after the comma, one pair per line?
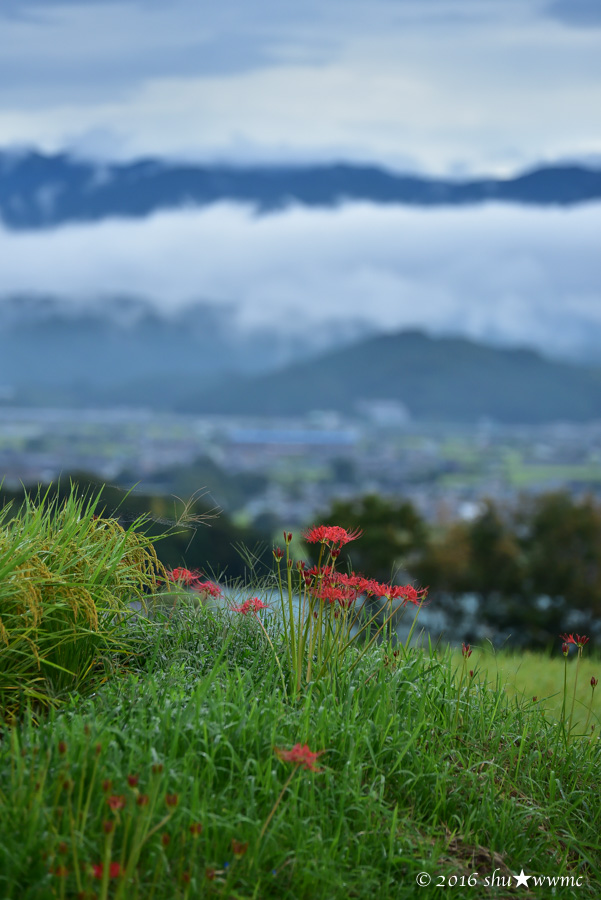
[579,13]
[499,273]
[450,84]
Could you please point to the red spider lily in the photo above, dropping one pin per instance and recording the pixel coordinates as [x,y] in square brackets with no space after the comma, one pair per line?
[579,640]
[239,848]
[132,780]
[301,756]
[114,870]
[565,649]
[252,605]
[116,801]
[278,552]
[407,593]
[334,534]
[208,588]
[183,576]
[466,650]
[594,682]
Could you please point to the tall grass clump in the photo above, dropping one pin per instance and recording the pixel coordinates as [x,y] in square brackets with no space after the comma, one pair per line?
[326,612]
[67,579]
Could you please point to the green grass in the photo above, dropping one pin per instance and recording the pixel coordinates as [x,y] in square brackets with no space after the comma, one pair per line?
[418,775]
[66,581]
[527,675]
[168,769]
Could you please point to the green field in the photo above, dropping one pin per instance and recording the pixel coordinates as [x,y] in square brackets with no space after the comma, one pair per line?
[526,675]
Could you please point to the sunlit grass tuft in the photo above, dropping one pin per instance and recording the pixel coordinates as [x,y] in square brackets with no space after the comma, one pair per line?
[67,581]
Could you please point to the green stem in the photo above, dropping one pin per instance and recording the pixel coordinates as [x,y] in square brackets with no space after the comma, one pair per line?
[574,693]
[277,659]
[590,708]
[276,804]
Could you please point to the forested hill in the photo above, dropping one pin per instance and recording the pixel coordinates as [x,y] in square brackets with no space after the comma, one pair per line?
[39,191]
[445,379]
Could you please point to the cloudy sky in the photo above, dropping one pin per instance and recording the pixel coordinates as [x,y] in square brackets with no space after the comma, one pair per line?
[433,85]
[450,87]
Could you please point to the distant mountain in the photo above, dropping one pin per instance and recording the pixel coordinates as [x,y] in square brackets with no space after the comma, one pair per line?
[440,379]
[38,191]
[123,350]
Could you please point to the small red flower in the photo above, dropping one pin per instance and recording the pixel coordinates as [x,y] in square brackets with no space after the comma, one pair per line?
[565,648]
[108,827]
[132,780]
[239,848]
[171,799]
[301,756]
[208,588]
[116,801]
[114,870]
[334,534]
[594,682]
[107,785]
[278,552]
[62,748]
[252,605]
[196,829]
[165,839]
[210,874]
[143,800]
[183,576]
[580,639]
[466,650]
[157,768]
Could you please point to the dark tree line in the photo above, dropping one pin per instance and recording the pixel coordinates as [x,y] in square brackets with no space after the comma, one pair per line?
[531,565]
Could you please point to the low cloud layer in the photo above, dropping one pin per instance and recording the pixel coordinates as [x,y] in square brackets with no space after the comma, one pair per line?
[502,273]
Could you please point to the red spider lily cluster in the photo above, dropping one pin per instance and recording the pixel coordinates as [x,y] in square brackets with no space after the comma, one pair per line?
[252,605]
[194,580]
[331,534]
[300,755]
[330,586]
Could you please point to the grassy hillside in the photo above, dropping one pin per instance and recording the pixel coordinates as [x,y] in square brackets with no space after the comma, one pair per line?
[178,755]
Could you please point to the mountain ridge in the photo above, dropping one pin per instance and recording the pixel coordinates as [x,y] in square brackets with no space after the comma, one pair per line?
[435,378]
[42,191]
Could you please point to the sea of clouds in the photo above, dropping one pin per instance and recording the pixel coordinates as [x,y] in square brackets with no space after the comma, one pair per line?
[507,274]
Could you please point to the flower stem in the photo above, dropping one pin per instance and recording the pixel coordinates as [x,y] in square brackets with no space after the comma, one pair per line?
[276,804]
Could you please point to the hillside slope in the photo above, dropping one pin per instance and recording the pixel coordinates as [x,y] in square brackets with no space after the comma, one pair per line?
[447,379]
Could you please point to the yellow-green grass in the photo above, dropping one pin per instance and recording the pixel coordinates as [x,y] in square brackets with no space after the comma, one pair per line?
[67,579]
[526,674]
